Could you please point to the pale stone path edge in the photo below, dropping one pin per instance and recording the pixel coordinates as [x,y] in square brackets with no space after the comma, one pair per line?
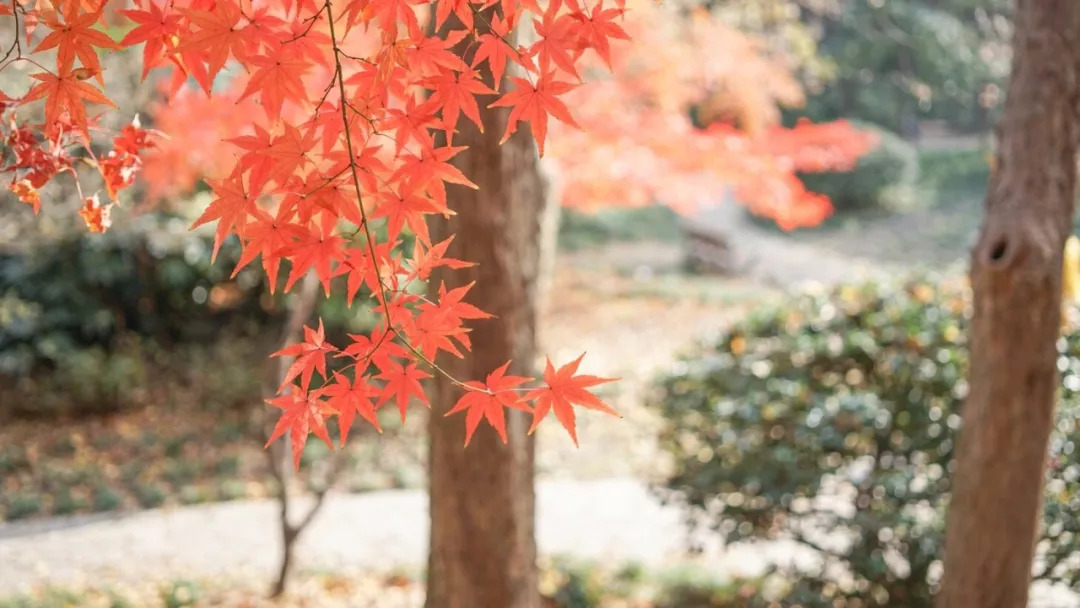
[615,521]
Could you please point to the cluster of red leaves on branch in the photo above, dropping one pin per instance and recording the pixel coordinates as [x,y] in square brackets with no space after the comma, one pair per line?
[637,145]
[353,95]
[36,152]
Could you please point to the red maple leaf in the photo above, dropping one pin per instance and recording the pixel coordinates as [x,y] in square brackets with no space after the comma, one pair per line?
[486,401]
[425,259]
[411,122]
[268,235]
[456,92]
[564,390]
[532,103]
[377,348]
[310,357]
[26,193]
[493,48]
[219,35]
[430,53]
[75,37]
[301,415]
[431,166]
[598,27]
[406,209]
[402,383]
[231,207]
[319,251]
[349,399]
[64,94]
[279,78]
[556,44]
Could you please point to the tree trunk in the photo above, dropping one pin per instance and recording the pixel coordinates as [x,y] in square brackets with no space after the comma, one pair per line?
[302,306]
[483,550]
[1016,267]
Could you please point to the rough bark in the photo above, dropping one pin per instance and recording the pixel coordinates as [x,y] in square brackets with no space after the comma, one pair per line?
[483,550]
[1016,266]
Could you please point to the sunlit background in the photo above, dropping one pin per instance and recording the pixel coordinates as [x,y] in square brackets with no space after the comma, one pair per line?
[790,371]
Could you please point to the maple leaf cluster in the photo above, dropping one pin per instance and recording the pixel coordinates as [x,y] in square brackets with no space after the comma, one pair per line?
[355,105]
[36,152]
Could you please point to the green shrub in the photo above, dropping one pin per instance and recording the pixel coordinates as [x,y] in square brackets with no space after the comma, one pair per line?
[231,489]
[702,588]
[153,279]
[50,597]
[66,503]
[180,472]
[946,172]
[580,583]
[577,583]
[20,506]
[106,499]
[193,495]
[150,495]
[180,594]
[851,395]
[883,180]
[89,324]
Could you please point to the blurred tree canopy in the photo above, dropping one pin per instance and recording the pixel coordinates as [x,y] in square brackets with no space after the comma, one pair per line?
[890,62]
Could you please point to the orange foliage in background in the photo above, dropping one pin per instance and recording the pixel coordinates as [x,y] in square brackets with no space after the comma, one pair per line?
[638,145]
[196,126]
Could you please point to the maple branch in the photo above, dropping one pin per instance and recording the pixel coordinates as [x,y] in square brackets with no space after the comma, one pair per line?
[30,60]
[312,19]
[360,201]
[340,77]
[326,183]
[360,59]
[375,131]
[419,355]
[15,45]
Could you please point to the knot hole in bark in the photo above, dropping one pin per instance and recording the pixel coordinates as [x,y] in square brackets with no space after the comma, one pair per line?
[1000,250]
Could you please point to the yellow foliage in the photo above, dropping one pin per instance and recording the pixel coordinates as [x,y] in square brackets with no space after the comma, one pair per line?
[1070,292]
[1071,269]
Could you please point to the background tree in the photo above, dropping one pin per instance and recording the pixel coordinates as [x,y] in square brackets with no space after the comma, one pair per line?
[666,127]
[889,62]
[899,61]
[1016,270]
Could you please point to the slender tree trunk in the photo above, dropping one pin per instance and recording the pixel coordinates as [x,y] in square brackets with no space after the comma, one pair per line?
[303,305]
[1016,266]
[483,550]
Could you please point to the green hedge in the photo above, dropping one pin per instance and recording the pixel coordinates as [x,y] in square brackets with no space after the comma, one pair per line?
[884,179]
[154,280]
[857,390]
[88,320]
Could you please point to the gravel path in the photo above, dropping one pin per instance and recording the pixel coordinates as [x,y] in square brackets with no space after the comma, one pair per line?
[613,519]
[785,262]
